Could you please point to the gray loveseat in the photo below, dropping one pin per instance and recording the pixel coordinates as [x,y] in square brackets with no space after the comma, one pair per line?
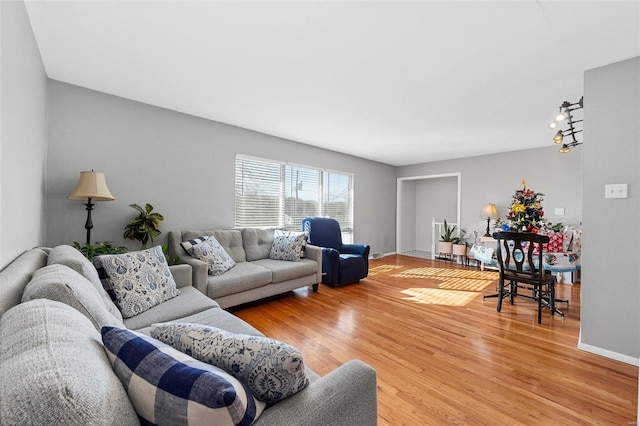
[255,275]
[54,370]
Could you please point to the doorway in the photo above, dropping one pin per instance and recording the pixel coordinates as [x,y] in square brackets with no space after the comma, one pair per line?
[420,199]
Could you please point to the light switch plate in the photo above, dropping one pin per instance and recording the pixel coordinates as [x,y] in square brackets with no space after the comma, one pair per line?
[559,211]
[615,190]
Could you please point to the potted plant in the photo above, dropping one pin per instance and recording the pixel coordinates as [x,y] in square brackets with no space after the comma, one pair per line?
[145,226]
[100,247]
[445,245]
[459,244]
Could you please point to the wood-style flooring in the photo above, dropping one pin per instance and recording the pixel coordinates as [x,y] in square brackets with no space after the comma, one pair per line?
[445,356]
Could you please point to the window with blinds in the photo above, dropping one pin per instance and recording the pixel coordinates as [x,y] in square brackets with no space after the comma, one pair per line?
[271,193]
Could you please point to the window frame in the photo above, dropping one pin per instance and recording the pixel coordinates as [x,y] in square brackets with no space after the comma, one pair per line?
[321,202]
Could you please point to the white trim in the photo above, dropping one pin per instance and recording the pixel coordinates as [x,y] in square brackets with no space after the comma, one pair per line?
[383,255]
[609,354]
[399,200]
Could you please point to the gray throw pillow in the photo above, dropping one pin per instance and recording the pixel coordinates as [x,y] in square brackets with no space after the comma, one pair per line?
[273,370]
[63,284]
[55,370]
[69,256]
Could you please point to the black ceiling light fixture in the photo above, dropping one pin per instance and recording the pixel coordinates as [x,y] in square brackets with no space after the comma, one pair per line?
[565,112]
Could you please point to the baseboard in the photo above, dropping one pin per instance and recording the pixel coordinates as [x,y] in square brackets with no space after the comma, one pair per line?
[381,255]
[609,354]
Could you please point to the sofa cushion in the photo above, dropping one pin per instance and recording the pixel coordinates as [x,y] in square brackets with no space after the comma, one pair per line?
[216,317]
[136,281]
[257,242]
[284,271]
[169,387]
[187,246]
[288,245]
[15,277]
[63,284]
[55,371]
[244,276]
[69,256]
[273,370]
[189,302]
[214,255]
[231,240]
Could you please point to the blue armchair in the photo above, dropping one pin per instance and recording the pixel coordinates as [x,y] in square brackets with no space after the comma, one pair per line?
[341,263]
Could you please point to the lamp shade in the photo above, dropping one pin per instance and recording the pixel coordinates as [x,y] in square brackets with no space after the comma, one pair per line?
[490,210]
[92,185]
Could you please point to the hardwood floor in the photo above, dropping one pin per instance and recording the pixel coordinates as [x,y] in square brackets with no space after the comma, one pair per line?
[445,356]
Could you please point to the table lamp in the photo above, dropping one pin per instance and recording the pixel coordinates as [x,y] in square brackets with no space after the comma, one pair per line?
[489,211]
[92,186]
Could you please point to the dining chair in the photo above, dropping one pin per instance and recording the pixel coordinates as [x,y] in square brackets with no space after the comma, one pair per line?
[520,260]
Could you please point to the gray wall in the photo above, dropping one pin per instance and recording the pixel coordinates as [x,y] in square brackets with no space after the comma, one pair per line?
[494,179]
[182,165]
[437,198]
[23,135]
[408,216]
[611,275]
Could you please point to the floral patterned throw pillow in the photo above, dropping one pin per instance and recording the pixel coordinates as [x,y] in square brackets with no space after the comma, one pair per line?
[217,259]
[136,281]
[288,245]
[271,369]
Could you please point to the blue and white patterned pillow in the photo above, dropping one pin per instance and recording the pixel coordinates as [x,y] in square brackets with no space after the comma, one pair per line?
[217,259]
[288,245]
[273,370]
[136,281]
[187,246]
[168,387]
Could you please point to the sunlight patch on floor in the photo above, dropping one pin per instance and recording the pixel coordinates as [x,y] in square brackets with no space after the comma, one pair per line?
[434,296]
[383,268]
[430,272]
[455,287]
[465,284]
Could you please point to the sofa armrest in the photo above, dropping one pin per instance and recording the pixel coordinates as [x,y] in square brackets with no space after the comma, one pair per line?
[361,249]
[182,275]
[315,253]
[198,267]
[345,396]
[199,272]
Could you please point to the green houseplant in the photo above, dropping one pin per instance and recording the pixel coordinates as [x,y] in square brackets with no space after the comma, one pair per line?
[100,247]
[445,245]
[460,243]
[145,227]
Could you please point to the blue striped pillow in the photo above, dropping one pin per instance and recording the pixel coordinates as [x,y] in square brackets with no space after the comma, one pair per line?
[188,246]
[168,387]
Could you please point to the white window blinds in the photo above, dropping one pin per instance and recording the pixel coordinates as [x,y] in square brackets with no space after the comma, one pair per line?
[302,195]
[270,193]
[258,193]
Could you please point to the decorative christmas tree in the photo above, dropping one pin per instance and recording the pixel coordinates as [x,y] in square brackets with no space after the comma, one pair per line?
[525,214]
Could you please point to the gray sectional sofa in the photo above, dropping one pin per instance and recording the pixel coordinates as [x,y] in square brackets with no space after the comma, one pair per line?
[255,275]
[54,370]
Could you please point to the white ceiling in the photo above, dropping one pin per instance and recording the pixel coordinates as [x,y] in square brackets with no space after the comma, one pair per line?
[396,82]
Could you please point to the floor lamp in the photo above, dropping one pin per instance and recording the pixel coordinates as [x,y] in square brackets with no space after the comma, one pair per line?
[489,211]
[92,186]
